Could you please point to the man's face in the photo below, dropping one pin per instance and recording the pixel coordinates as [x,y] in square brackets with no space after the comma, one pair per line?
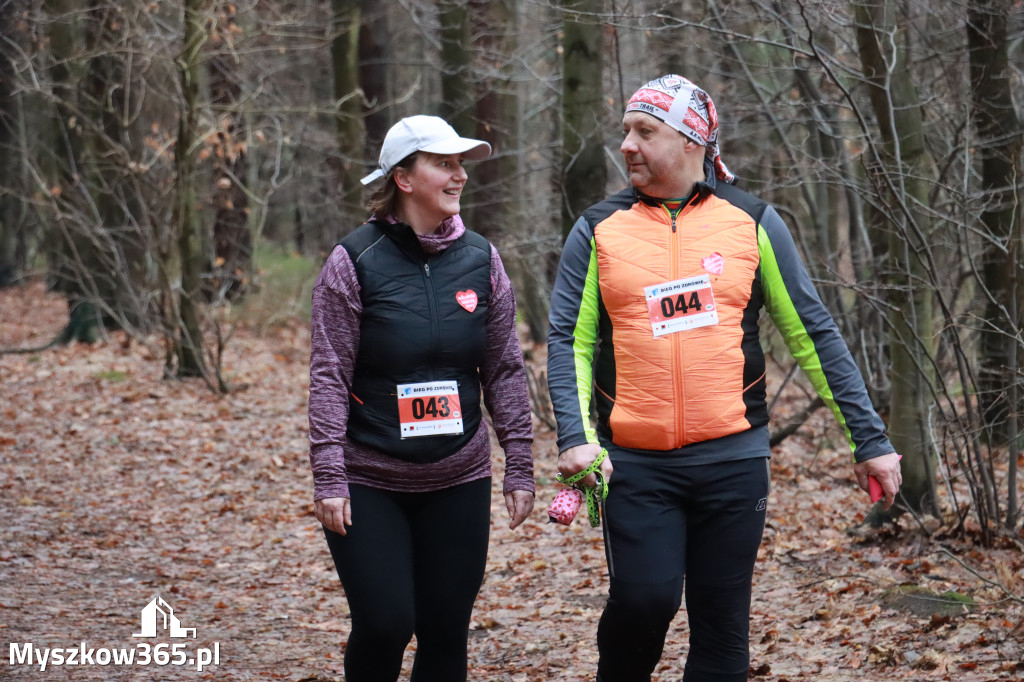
[656,156]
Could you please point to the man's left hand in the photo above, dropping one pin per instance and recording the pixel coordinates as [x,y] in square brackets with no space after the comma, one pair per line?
[886,469]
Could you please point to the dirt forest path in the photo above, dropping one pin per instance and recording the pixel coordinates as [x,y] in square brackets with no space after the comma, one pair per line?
[117,487]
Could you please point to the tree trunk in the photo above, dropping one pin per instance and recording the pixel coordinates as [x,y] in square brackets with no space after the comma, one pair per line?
[374,76]
[108,96]
[1000,143]
[189,339]
[904,165]
[999,149]
[96,252]
[12,258]
[493,187]
[505,187]
[584,171]
[347,20]
[232,239]
[457,91]
[671,43]
[70,254]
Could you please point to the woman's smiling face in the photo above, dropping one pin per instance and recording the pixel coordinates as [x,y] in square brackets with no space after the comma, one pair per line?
[433,186]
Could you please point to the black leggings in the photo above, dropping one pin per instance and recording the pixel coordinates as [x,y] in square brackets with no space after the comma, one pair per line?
[412,563]
[664,522]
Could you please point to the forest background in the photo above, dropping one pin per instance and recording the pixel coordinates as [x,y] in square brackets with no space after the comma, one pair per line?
[174,173]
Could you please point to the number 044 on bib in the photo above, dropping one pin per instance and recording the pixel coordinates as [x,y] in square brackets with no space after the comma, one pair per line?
[680,305]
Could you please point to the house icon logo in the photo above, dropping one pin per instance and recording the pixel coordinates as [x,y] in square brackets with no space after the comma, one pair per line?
[168,622]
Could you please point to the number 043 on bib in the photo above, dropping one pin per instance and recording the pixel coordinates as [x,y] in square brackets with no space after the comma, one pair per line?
[429,409]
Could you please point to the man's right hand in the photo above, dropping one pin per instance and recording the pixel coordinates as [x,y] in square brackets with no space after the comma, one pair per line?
[578,458]
[334,512]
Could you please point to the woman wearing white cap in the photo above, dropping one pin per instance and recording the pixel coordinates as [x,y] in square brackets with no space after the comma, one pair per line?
[413,320]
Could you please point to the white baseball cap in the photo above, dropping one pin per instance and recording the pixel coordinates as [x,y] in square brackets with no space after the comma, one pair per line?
[424,134]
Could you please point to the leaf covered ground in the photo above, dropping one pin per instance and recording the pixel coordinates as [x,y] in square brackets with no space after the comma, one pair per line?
[117,486]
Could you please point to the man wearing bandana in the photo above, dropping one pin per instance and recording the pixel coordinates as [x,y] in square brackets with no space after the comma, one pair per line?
[654,325]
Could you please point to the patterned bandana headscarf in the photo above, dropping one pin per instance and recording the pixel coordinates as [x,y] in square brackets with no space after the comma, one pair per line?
[686,108]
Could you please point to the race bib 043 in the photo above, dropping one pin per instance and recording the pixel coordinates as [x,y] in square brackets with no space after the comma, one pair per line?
[681,305]
[429,409]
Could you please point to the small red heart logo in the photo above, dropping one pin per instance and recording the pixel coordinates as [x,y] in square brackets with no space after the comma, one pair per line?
[714,263]
[467,299]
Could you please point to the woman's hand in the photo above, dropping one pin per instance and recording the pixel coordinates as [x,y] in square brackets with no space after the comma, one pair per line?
[334,512]
[519,504]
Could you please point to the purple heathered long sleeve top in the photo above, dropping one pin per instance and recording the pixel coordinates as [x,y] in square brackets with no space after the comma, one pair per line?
[336,462]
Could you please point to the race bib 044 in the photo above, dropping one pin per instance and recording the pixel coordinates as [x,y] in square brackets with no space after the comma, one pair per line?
[681,305]
[429,409]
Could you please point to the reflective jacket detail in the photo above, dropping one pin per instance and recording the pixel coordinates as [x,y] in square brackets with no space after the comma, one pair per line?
[662,393]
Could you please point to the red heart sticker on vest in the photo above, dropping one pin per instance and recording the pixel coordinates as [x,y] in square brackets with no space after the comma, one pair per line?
[467,299]
[714,263]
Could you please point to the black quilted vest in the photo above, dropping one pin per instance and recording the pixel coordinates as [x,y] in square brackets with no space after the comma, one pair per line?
[413,329]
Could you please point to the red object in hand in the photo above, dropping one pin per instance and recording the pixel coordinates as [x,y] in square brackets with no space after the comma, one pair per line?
[564,507]
[875,489]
